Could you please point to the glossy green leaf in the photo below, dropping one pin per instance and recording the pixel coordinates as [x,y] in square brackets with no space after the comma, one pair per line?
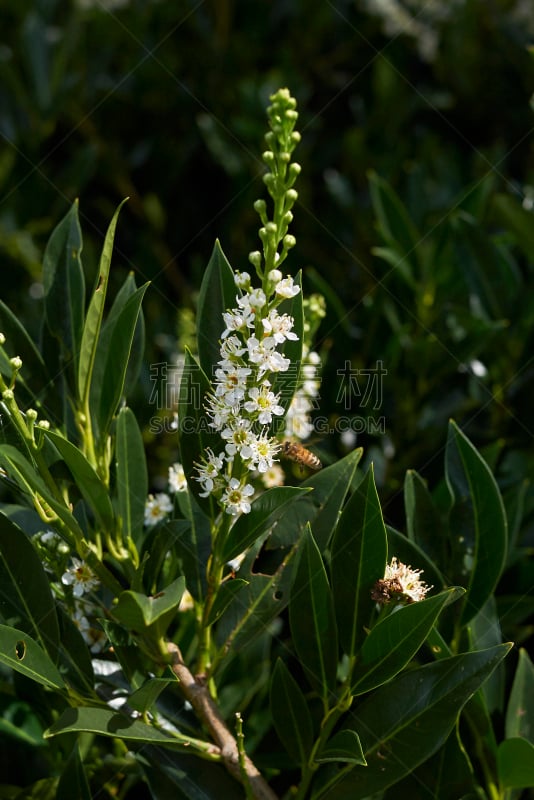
[137,611]
[22,653]
[26,601]
[194,429]
[116,359]
[520,710]
[408,719]
[358,559]
[144,698]
[515,763]
[73,780]
[321,507]
[74,655]
[312,620]
[177,776]
[95,314]
[132,475]
[485,631]
[217,294]
[330,488]
[191,543]
[396,226]
[256,605]
[393,642]
[424,525]
[478,518]
[291,716]
[225,595]
[64,284]
[344,747]
[267,509]
[92,489]
[29,482]
[19,343]
[107,722]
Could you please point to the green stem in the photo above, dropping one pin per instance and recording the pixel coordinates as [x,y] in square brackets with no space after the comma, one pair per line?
[215,569]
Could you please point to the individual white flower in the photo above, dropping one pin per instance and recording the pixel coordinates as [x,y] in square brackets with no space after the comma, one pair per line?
[235,497]
[400,582]
[156,508]
[177,481]
[266,357]
[231,350]
[297,419]
[279,326]
[237,321]
[264,450]
[209,472]
[220,412]
[231,383]
[252,301]
[286,288]
[80,577]
[274,476]
[238,437]
[263,403]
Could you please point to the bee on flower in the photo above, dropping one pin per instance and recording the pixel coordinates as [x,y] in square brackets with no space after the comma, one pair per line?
[400,582]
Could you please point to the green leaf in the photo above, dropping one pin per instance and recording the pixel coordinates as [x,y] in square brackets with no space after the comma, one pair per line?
[171,774]
[22,653]
[107,722]
[217,294]
[393,642]
[485,631]
[267,509]
[225,595]
[321,507]
[64,284]
[132,475]
[515,763]
[509,211]
[94,492]
[291,717]
[116,357]
[408,719]
[311,618]
[358,560]
[190,541]
[73,781]
[344,747]
[20,721]
[477,518]
[74,655]
[26,601]
[144,698]
[396,227]
[137,611]
[194,429]
[520,711]
[95,314]
[424,525]
[256,605]
[19,343]
[30,482]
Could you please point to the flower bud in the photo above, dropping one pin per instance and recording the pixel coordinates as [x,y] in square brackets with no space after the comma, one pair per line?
[16,362]
[31,414]
[44,424]
[2,339]
[275,275]
[255,259]
[268,157]
[289,241]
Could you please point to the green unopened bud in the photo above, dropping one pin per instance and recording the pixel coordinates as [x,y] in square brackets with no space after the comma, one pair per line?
[295,137]
[270,138]
[289,241]
[260,207]
[31,414]
[44,424]
[16,362]
[295,169]
[255,259]
[8,394]
[2,339]
[285,157]
[292,115]
[288,218]
[269,180]
[268,157]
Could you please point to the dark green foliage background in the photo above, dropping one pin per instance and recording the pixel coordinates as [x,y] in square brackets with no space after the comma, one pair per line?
[429,160]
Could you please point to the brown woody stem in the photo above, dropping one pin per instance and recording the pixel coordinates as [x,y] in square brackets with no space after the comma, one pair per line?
[197,693]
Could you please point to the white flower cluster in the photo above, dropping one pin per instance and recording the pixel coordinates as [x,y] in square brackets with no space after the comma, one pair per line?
[159,506]
[242,404]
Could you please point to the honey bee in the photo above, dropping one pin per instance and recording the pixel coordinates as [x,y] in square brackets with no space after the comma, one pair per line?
[296,452]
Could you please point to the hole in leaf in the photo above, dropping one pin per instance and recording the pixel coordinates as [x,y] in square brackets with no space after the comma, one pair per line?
[278,595]
[20,649]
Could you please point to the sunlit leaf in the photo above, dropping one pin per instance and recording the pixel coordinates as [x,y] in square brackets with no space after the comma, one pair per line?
[22,653]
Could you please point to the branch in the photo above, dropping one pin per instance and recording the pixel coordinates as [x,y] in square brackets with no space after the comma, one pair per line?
[207,711]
